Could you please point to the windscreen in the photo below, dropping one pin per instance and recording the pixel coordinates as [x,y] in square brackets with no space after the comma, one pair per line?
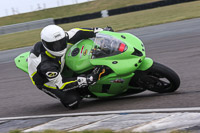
[106,45]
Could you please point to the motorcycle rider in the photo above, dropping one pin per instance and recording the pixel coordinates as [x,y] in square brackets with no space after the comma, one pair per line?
[47,60]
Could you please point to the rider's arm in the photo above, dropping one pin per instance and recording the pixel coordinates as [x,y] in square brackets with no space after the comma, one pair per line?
[51,71]
[78,34]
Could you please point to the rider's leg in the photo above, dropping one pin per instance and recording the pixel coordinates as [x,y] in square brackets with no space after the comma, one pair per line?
[70,98]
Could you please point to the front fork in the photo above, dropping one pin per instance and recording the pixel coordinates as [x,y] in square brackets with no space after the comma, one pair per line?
[135,85]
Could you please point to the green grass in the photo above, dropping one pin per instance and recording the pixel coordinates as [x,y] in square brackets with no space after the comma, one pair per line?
[71,10]
[144,18]
[118,22]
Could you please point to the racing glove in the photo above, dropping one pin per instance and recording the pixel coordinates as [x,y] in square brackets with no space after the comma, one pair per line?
[90,79]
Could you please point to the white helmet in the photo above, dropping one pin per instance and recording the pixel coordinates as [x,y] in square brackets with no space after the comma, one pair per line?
[54,40]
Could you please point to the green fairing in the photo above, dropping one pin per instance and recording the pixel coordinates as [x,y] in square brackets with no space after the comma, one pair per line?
[114,88]
[146,64]
[125,61]
[80,59]
[80,63]
[123,69]
[21,61]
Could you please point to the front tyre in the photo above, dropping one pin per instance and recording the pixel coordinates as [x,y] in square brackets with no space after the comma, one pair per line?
[161,79]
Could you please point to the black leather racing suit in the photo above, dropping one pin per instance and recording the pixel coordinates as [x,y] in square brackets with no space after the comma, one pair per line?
[45,70]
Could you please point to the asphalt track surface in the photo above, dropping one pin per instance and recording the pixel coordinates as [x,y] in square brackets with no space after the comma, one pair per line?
[176,45]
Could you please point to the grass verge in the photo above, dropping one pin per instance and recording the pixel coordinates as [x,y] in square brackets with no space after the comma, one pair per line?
[118,22]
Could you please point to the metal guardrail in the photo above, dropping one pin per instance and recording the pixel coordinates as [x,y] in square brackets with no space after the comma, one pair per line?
[145,6]
[25,26]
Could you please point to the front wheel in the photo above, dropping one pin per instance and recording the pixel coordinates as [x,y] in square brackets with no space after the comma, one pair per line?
[160,78]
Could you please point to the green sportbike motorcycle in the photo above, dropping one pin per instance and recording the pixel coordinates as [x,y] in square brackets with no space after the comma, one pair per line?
[126,71]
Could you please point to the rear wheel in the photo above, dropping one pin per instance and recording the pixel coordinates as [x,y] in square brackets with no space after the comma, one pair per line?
[161,79]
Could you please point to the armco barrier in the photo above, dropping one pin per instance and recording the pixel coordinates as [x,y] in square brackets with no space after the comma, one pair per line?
[25,26]
[78,18]
[145,6]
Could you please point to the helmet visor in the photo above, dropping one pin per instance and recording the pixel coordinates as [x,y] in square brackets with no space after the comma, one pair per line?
[57,45]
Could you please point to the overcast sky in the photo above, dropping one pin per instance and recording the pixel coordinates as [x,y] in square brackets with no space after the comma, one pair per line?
[10,7]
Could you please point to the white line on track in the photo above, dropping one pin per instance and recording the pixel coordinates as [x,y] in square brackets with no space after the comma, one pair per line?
[164,110]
